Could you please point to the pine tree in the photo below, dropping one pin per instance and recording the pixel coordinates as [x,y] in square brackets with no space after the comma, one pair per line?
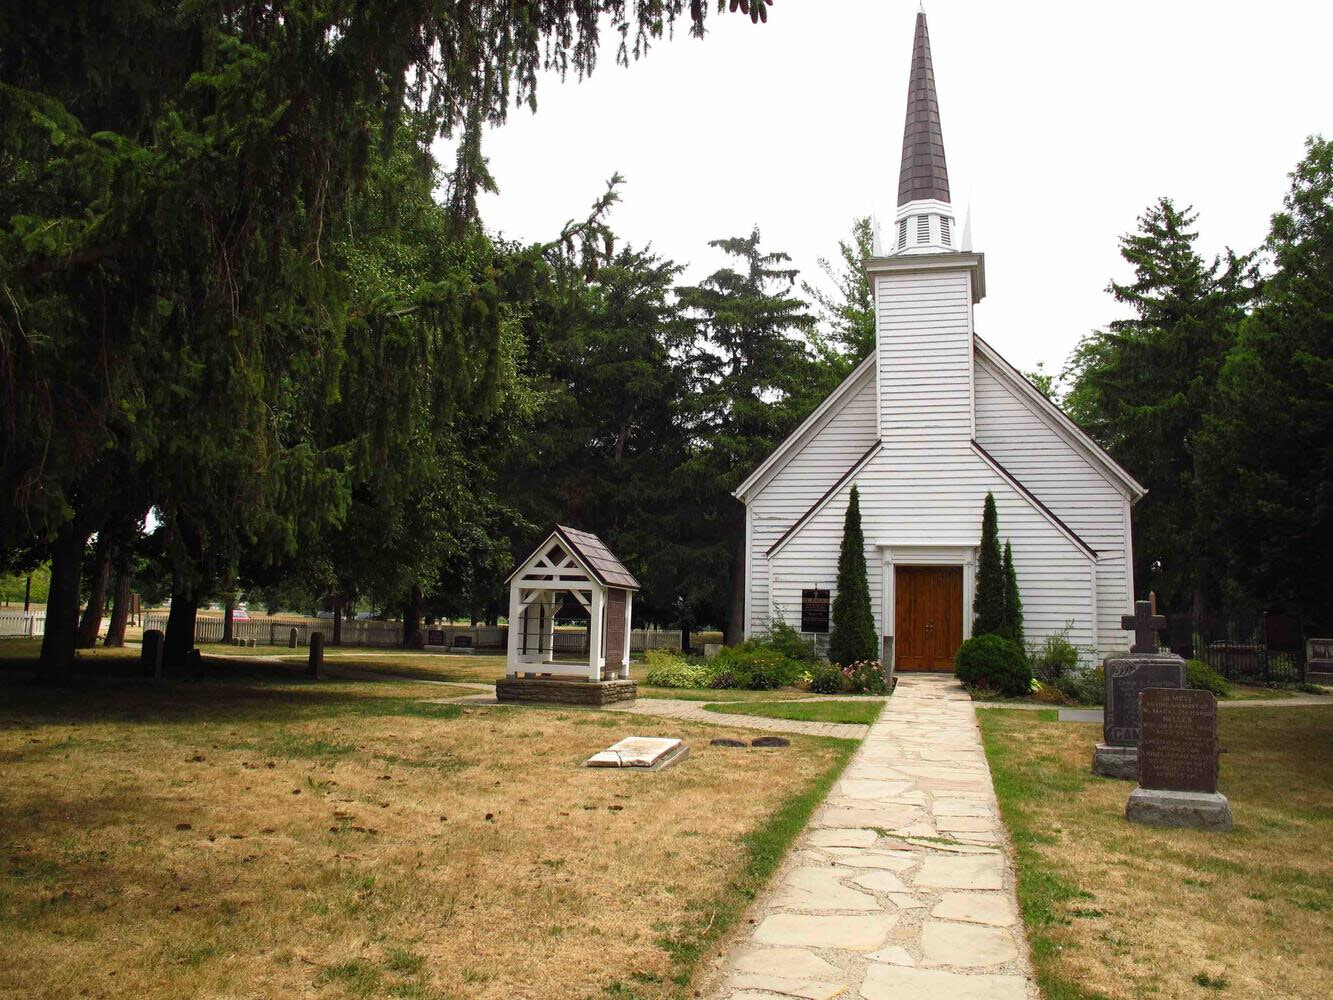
[1142,387]
[988,605]
[1013,601]
[853,637]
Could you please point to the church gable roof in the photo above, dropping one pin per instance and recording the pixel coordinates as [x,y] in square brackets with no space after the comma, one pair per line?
[590,552]
[1058,420]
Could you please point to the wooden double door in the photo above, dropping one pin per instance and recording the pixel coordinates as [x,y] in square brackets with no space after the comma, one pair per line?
[928,616]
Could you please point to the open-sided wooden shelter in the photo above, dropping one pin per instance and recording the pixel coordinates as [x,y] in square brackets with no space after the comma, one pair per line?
[570,568]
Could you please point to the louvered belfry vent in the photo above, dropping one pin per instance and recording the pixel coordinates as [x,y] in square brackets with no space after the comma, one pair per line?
[923,229]
[924,176]
[944,230]
[902,234]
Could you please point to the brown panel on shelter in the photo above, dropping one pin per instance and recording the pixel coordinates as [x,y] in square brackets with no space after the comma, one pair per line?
[615,626]
[928,616]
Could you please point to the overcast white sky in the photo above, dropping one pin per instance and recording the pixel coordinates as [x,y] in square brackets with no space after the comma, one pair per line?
[1062,121]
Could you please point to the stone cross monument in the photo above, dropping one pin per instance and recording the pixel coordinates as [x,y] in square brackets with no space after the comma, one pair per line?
[1117,756]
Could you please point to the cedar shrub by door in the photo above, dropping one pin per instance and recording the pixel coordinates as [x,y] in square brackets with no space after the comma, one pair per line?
[853,637]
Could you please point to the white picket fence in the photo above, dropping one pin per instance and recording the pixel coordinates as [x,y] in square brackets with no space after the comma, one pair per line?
[278,632]
[27,626]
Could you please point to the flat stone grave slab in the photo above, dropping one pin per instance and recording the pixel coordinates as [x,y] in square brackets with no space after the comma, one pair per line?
[646,752]
[1081,715]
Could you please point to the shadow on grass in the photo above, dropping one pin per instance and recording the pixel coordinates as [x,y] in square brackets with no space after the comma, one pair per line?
[231,689]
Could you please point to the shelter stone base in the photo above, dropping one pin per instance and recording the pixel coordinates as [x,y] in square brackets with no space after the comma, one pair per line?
[564,691]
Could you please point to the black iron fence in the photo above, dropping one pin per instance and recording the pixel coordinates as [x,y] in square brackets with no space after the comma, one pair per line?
[1267,648]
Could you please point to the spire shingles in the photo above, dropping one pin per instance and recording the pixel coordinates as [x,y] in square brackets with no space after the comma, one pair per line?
[924,175]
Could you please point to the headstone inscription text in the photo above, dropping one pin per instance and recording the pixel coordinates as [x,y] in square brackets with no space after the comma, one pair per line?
[1126,678]
[1178,746]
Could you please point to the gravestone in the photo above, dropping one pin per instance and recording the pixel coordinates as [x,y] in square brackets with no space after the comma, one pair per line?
[315,660]
[1319,661]
[1178,755]
[150,656]
[1117,756]
[646,752]
[291,638]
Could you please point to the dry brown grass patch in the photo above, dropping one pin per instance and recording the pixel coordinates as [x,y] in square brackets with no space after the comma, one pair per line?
[1122,911]
[285,839]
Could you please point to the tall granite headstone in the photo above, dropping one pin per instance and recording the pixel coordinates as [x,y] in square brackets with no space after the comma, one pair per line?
[1117,756]
[1178,755]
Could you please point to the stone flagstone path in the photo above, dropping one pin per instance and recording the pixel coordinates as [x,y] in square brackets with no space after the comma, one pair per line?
[901,888]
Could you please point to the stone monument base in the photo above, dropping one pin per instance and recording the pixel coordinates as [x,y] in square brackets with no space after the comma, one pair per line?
[564,691]
[1189,810]
[1116,762]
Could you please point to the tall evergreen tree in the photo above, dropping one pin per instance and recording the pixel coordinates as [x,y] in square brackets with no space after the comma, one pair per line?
[853,636]
[988,604]
[847,312]
[753,382]
[1013,600]
[1267,457]
[1142,387]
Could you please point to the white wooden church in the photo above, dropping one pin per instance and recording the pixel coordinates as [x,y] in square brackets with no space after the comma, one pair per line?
[925,427]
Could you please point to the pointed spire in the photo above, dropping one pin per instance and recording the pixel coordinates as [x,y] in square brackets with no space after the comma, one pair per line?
[924,176]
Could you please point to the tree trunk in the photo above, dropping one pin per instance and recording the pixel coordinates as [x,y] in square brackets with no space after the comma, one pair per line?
[62,604]
[735,626]
[120,612]
[180,627]
[229,620]
[27,596]
[685,640]
[338,603]
[412,616]
[91,623]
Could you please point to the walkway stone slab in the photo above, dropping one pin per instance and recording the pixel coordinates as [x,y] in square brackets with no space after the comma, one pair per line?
[810,930]
[892,982]
[972,946]
[992,908]
[901,889]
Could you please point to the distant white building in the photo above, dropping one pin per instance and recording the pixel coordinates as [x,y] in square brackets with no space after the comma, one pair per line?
[924,427]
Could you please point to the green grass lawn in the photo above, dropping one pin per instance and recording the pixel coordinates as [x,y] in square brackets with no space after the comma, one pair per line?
[862,712]
[1116,911]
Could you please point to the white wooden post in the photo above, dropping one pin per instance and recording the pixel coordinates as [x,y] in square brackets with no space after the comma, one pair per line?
[515,627]
[595,633]
[629,618]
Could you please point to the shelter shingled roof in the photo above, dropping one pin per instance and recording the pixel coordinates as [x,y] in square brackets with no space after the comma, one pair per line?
[609,570]
[590,550]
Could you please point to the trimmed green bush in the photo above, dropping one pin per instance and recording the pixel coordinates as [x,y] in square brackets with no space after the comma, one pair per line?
[988,604]
[828,679]
[669,670]
[1087,687]
[784,639]
[992,661]
[1055,658]
[754,666]
[1013,601]
[854,636]
[1200,676]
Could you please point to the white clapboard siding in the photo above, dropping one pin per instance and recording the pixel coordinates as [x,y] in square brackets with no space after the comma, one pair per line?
[806,476]
[934,497]
[924,347]
[1067,481]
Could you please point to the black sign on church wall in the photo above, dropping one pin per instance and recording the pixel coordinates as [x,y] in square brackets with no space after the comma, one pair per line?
[814,610]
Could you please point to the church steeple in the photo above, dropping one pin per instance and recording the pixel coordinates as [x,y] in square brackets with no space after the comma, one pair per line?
[924,222]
